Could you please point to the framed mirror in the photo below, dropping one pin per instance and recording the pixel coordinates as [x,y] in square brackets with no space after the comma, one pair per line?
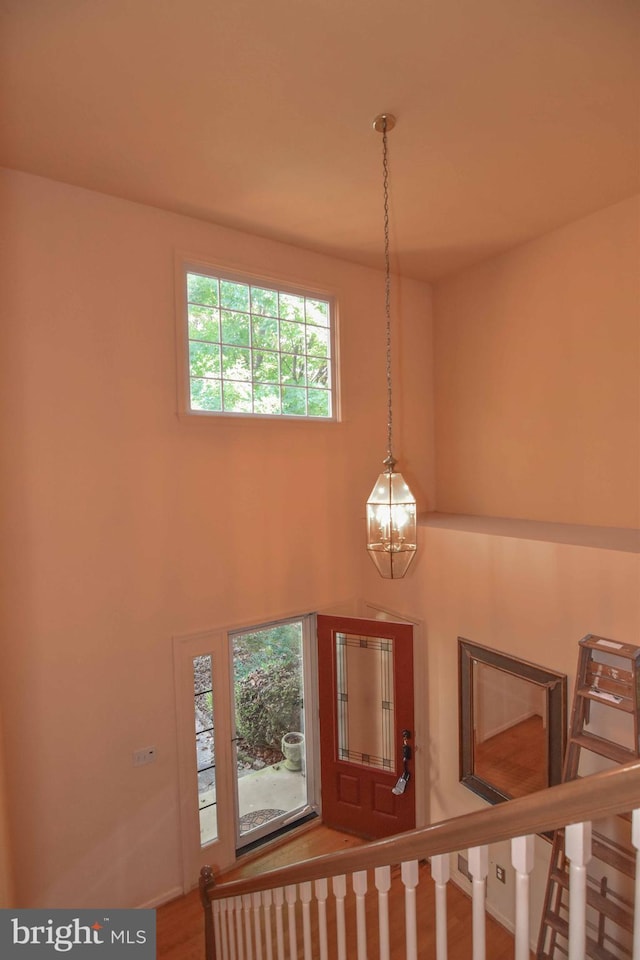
[513,723]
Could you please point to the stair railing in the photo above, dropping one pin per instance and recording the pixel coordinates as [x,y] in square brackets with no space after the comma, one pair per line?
[244,919]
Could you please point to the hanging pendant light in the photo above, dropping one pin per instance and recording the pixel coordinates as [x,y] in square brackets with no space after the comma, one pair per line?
[391,508]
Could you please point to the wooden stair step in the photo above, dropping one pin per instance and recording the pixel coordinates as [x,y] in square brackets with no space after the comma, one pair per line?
[557,875]
[614,907]
[625,650]
[594,950]
[607,851]
[619,859]
[619,913]
[610,698]
[597,672]
[604,748]
[608,673]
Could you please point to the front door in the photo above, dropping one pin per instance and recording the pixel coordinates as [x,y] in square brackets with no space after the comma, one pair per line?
[365,677]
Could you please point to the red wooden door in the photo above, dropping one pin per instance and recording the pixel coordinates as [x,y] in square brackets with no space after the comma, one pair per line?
[365,675]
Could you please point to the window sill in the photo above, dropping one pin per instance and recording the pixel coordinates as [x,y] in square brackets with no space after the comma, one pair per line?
[235,419]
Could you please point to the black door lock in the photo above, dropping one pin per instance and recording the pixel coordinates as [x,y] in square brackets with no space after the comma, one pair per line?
[401,784]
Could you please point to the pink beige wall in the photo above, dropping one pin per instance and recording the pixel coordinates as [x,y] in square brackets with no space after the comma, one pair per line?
[537,415]
[532,599]
[6,869]
[127,526]
[538,378]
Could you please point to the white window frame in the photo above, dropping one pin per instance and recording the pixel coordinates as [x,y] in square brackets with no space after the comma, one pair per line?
[218,644]
[188,264]
[311,712]
[220,851]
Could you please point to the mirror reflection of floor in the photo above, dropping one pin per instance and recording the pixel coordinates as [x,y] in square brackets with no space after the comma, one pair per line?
[514,760]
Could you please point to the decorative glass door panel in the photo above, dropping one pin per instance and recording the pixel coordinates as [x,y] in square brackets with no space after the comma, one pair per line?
[365,683]
[365,710]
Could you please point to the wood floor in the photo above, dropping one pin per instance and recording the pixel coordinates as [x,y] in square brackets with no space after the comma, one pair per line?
[179,923]
[515,759]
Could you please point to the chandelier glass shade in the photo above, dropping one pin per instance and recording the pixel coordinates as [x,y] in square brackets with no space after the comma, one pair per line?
[391,525]
[391,507]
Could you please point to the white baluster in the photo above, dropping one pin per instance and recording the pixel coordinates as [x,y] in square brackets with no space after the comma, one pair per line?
[223,930]
[478,868]
[224,935]
[441,871]
[383,885]
[246,909]
[256,899]
[322,891]
[410,877]
[339,886]
[522,851]
[577,846]
[359,880]
[290,893]
[305,900]
[232,936]
[215,907]
[237,905]
[278,899]
[267,900]
[635,839]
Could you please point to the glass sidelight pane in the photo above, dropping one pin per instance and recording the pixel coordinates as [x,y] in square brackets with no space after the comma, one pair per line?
[205,748]
[364,705]
[270,728]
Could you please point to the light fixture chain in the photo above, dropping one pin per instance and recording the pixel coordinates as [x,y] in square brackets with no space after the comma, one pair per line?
[387,297]
[391,507]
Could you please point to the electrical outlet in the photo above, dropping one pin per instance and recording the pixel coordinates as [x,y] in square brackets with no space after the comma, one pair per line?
[145,755]
[500,874]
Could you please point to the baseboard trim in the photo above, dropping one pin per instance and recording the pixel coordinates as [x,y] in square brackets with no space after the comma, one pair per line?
[161,899]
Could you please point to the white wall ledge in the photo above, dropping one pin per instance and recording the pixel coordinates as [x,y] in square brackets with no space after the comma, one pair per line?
[625,539]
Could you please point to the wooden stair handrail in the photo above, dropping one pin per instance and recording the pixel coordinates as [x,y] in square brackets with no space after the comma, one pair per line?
[590,798]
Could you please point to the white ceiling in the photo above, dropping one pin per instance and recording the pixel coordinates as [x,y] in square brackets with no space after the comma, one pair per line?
[514,116]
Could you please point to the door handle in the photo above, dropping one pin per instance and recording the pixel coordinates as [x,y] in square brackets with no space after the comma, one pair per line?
[401,783]
[405,776]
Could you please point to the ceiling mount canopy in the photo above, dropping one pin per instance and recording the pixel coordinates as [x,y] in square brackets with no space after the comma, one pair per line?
[391,507]
[384,122]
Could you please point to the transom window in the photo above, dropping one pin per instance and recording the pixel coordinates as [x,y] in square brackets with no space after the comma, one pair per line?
[257,349]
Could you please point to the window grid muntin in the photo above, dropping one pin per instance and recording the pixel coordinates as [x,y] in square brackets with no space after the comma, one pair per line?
[310,312]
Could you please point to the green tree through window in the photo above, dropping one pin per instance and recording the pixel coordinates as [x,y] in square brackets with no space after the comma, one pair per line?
[258,350]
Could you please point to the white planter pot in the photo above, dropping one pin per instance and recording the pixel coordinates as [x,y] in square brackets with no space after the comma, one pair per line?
[293,750]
